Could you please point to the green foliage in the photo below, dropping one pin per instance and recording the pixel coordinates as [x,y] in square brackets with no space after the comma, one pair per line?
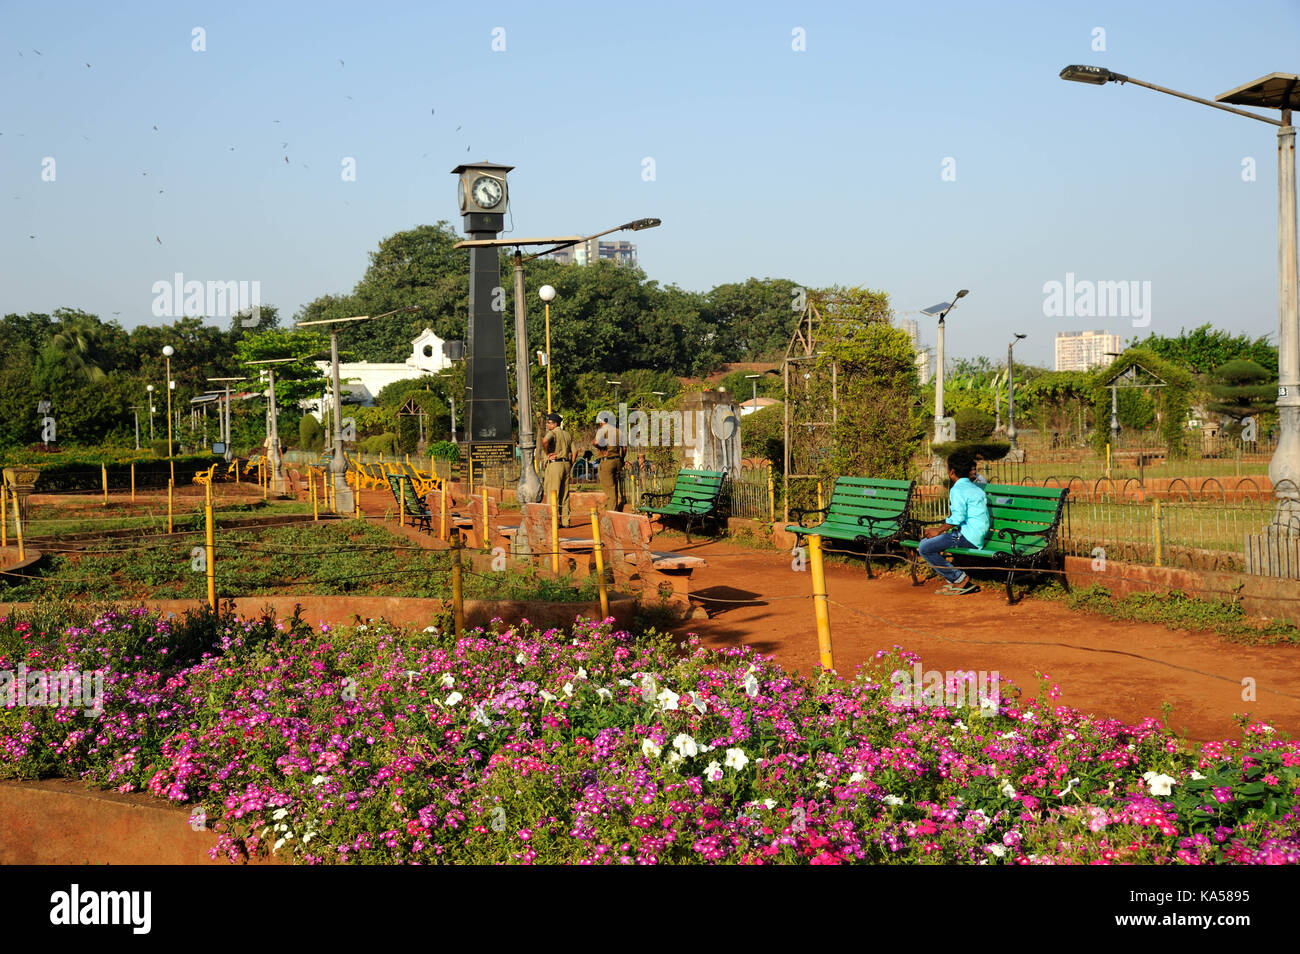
[445,450]
[311,436]
[1242,389]
[1172,402]
[385,443]
[762,434]
[742,386]
[973,424]
[754,319]
[295,381]
[1205,348]
[879,428]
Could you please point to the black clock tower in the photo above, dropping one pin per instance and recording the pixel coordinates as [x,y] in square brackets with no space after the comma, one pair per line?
[484,198]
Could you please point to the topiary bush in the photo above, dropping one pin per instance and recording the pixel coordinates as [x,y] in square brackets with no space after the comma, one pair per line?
[973,424]
[311,437]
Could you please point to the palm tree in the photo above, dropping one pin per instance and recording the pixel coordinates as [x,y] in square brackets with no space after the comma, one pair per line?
[75,342]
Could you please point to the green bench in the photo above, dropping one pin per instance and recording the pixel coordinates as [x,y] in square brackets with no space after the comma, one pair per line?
[865,511]
[411,503]
[696,497]
[1023,526]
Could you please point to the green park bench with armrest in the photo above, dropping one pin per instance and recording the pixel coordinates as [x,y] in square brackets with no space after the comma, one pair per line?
[1024,523]
[867,512]
[411,503]
[696,497]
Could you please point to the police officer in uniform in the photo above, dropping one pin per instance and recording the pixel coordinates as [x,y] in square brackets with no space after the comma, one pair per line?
[557,445]
[609,447]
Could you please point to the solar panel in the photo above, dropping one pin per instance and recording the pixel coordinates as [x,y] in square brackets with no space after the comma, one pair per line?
[938,309]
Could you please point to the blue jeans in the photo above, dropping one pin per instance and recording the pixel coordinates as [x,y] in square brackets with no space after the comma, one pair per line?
[932,549]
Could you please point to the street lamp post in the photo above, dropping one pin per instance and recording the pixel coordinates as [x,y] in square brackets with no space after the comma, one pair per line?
[529,486]
[1279,91]
[168,351]
[941,309]
[135,411]
[149,388]
[224,417]
[617,385]
[273,424]
[1015,453]
[343,499]
[547,294]
[753,403]
[1114,403]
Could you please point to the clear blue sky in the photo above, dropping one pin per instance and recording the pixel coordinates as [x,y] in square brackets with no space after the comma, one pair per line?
[824,166]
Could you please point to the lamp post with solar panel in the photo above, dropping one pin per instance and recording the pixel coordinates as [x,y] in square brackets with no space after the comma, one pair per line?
[1280,91]
[943,430]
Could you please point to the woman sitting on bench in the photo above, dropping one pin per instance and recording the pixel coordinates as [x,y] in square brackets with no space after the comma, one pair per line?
[967,526]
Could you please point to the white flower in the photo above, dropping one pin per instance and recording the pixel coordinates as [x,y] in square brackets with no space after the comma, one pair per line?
[521,659]
[1132,747]
[447,680]
[673,759]
[736,759]
[582,673]
[280,814]
[769,803]
[427,629]
[649,749]
[1070,736]
[568,688]
[667,699]
[625,682]
[1197,776]
[412,674]
[713,771]
[856,777]
[280,841]
[685,745]
[1007,790]
[705,748]
[1160,784]
[1269,730]
[547,696]
[960,725]
[603,693]
[320,779]
[893,800]
[698,703]
[988,705]
[1007,735]
[751,686]
[997,851]
[454,698]
[362,629]
[1068,788]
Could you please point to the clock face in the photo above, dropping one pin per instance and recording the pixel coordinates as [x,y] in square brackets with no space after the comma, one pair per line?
[487,192]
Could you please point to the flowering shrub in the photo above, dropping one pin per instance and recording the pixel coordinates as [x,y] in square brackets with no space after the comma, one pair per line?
[599,747]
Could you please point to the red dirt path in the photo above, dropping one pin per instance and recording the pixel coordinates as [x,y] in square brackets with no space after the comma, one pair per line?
[1112,668]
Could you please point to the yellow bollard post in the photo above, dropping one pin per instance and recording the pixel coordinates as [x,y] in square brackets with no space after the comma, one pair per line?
[600,565]
[471,475]
[356,496]
[485,517]
[820,505]
[820,605]
[1108,460]
[237,471]
[264,478]
[211,551]
[555,534]
[433,470]
[315,507]
[132,481]
[172,465]
[771,497]
[103,473]
[18,527]
[442,520]
[457,591]
[1159,535]
[171,487]
[4,515]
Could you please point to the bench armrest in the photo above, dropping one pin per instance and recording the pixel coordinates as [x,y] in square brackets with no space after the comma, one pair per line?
[868,521]
[798,513]
[1013,536]
[711,501]
[649,497]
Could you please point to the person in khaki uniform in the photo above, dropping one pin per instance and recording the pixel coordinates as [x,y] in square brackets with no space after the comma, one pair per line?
[557,446]
[609,448]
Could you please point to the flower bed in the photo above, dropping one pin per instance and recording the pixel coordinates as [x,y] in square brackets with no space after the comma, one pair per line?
[591,746]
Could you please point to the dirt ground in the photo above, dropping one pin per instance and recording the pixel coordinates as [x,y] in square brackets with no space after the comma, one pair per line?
[1111,668]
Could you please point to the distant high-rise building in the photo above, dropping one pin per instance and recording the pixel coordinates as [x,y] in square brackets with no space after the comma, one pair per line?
[913,332]
[584,253]
[1082,350]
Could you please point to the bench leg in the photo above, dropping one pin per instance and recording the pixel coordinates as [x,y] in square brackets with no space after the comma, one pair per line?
[1011,576]
[913,565]
[871,551]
